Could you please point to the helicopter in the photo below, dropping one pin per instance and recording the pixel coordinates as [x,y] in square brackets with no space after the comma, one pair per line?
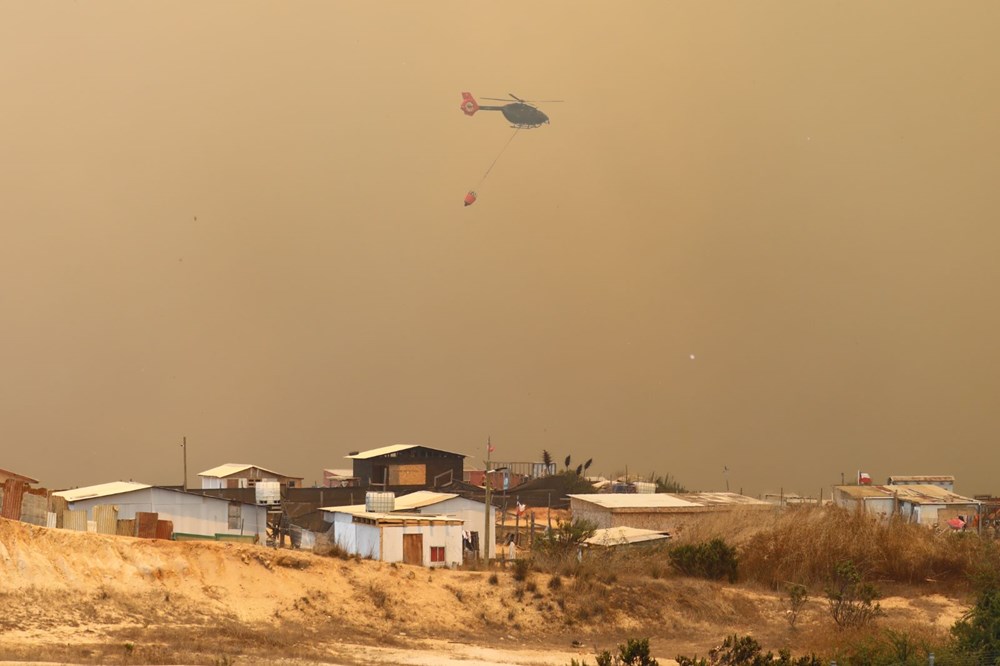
[521,114]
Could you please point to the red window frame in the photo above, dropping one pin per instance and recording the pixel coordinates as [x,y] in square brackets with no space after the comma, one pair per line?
[437,553]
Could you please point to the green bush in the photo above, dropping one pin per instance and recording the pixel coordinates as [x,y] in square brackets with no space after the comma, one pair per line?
[714,560]
[977,634]
[853,602]
[745,651]
[634,652]
[565,538]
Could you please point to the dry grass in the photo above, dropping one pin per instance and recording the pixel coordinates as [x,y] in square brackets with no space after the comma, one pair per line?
[804,544]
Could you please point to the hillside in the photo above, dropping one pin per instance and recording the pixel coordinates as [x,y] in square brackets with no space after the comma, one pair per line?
[87,598]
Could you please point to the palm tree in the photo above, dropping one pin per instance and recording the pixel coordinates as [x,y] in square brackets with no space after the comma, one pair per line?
[568,460]
[547,461]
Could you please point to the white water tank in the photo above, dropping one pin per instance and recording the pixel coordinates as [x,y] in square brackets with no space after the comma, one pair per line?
[380,502]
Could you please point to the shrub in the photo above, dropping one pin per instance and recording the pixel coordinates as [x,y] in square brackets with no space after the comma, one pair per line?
[565,538]
[714,560]
[977,634]
[493,579]
[798,595]
[634,652]
[745,651]
[853,603]
[521,569]
[555,582]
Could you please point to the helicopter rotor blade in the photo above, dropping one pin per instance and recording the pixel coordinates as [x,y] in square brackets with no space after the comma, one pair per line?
[516,98]
[496,99]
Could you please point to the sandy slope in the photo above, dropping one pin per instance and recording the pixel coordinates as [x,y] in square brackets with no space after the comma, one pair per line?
[86,597]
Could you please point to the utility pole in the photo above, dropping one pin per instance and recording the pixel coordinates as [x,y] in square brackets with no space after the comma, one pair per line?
[184,445]
[486,478]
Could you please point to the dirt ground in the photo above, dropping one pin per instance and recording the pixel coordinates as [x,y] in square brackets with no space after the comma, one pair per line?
[72,597]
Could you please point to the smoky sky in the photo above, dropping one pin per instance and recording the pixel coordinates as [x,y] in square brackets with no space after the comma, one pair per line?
[757,236]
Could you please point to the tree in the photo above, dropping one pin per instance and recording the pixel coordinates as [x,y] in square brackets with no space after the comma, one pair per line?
[547,460]
[668,484]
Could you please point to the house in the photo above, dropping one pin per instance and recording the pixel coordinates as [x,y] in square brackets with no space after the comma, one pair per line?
[661,512]
[500,479]
[929,505]
[340,478]
[470,513]
[14,488]
[432,541]
[237,475]
[942,481]
[404,465]
[191,513]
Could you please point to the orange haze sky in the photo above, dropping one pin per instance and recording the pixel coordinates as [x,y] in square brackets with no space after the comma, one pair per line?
[760,236]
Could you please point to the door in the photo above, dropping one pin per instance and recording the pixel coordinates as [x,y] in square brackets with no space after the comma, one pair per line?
[413,549]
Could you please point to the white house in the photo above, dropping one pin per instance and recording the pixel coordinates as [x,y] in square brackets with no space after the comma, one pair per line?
[432,541]
[470,513]
[661,512]
[243,475]
[190,513]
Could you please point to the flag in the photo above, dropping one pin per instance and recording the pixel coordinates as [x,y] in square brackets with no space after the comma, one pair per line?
[489,447]
[864,479]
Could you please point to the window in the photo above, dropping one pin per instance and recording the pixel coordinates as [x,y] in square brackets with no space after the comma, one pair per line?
[437,553]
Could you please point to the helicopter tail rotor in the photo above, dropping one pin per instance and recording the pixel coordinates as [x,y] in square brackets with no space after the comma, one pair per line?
[469,104]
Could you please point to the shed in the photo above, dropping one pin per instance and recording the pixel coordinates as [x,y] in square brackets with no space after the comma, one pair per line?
[471,513]
[929,505]
[339,478]
[404,465]
[941,480]
[242,475]
[626,536]
[661,512]
[410,538]
[191,513]
[7,474]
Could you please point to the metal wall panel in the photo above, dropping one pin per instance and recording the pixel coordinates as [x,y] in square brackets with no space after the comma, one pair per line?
[106,516]
[126,527]
[75,520]
[13,491]
[164,529]
[34,508]
[58,505]
[145,524]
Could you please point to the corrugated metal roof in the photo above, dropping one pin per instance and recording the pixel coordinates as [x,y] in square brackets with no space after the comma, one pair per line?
[634,501]
[858,492]
[614,536]
[941,478]
[100,490]
[716,499]
[229,469]
[416,500]
[395,448]
[385,450]
[667,500]
[918,494]
[389,518]
[15,475]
